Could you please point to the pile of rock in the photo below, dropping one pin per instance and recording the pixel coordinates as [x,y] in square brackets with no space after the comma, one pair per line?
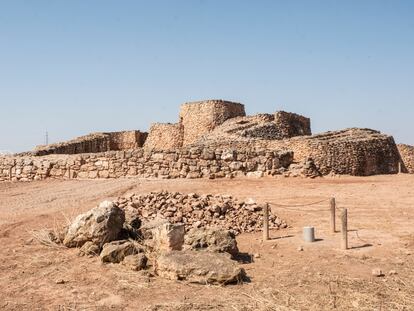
[137,232]
[197,211]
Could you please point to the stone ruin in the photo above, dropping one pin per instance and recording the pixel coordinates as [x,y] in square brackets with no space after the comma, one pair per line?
[200,122]
[407,156]
[95,142]
[214,139]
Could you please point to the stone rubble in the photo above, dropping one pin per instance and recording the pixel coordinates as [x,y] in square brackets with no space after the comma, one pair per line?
[195,211]
[178,236]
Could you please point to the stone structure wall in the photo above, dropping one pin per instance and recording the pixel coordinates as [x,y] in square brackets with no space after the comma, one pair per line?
[359,152]
[292,124]
[164,136]
[278,126]
[199,118]
[126,140]
[407,157]
[95,142]
[181,163]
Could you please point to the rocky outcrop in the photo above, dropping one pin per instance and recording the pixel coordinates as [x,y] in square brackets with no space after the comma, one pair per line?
[100,225]
[199,267]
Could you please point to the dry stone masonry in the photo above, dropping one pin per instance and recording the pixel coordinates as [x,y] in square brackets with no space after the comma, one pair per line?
[95,142]
[195,162]
[214,139]
[407,158]
[165,136]
[199,118]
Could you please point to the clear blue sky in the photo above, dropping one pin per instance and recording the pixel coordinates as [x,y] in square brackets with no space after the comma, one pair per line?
[74,67]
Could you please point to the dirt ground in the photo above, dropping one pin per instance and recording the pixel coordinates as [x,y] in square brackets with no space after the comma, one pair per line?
[287,274]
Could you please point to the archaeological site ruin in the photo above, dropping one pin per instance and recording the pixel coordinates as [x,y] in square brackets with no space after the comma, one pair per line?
[213,139]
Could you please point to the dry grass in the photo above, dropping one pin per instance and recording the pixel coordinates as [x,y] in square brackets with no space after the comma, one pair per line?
[54,236]
[328,293]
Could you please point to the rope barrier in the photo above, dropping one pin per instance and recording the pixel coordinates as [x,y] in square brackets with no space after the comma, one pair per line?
[289,207]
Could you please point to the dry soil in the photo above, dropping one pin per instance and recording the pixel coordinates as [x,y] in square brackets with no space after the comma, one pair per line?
[286,274]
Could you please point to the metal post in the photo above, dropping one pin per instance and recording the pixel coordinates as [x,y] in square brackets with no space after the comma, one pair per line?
[333,208]
[266,222]
[344,229]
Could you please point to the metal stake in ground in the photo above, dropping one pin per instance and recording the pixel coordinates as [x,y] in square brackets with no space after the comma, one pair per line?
[333,207]
[266,222]
[344,229]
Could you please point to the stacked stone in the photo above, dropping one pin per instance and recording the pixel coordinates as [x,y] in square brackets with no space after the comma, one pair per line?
[243,129]
[165,136]
[197,211]
[407,157]
[94,143]
[359,152]
[278,126]
[196,162]
[353,151]
[292,124]
[199,118]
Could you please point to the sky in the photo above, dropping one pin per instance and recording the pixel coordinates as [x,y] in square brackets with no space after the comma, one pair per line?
[80,66]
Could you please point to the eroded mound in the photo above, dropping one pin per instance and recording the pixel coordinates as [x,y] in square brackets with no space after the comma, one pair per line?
[195,210]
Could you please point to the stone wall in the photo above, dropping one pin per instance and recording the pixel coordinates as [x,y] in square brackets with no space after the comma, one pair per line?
[181,163]
[199,118]
[359,152]
[278,126]
[164,136]
[407,157]
[127,140]
[95,142]
[292,124]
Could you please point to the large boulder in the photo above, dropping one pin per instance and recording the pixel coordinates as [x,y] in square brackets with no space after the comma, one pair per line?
[100,225]
[199,267]
[116,251]
[211,239]
[168,237]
